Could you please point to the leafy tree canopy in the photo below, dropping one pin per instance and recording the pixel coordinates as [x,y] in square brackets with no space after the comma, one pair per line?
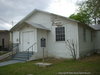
[89,12]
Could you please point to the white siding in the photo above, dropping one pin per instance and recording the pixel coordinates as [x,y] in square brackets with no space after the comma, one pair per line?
[53,48]
[39,54]
[27,28]
[16,37]
[58,48]
[41,18]
[97,41]
[85,47]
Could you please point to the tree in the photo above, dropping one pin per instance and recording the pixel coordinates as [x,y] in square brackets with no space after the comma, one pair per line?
[72,46]
[89,10]
[82,17]
[92,8]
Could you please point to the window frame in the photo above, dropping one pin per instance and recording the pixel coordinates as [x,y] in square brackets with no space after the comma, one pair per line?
[60,33]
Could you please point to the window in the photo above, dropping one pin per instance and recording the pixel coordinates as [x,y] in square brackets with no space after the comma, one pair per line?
[84,34]
[60,34]
[91,36]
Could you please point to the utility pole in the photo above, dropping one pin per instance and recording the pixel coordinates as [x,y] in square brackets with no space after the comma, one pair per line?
[12,23]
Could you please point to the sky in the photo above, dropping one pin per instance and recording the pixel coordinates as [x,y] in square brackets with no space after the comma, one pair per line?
[12,11]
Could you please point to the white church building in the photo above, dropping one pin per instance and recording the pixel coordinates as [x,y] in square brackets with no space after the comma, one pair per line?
[59,33]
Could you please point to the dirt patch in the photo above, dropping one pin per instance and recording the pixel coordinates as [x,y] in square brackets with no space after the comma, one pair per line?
[2,52]
[50,60]
[91,58]
[6,59]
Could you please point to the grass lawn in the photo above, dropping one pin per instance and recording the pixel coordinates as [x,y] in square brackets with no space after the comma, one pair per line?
[89,64]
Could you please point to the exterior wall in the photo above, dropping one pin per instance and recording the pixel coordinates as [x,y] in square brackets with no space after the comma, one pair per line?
[85,47]
[59,49]
[39,33]
[97,41]
[6,36]
[27,28]
[41,18]
[39,54]
[17,36]
[55,48]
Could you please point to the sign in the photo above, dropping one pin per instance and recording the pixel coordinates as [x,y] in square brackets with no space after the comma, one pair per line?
[43,42]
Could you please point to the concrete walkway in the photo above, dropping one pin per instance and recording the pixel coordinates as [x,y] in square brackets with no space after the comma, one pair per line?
[10,62]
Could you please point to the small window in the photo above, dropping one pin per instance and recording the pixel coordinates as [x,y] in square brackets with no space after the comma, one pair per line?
[60,34]
[84,34]
[91,36]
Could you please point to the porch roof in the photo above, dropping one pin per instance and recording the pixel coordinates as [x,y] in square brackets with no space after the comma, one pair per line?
[36,25]
[96,27]
[39,26]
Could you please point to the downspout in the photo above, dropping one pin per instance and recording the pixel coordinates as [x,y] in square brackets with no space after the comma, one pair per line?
[78,39]
[19,41]
[94,41]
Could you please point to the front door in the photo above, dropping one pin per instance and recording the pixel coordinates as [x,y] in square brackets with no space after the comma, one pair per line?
[27,40]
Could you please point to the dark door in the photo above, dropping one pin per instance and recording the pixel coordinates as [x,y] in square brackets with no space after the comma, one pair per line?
[3,43]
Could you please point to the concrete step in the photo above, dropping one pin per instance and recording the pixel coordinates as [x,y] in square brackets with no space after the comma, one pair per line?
[25,52]
[22,56]
[21,59]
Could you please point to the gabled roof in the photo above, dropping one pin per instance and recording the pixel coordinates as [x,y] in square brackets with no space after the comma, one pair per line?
[96,27]
[34,24]
[39,26]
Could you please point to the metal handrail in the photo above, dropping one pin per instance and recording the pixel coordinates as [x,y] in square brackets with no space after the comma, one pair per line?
[15,51]
[29,48]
